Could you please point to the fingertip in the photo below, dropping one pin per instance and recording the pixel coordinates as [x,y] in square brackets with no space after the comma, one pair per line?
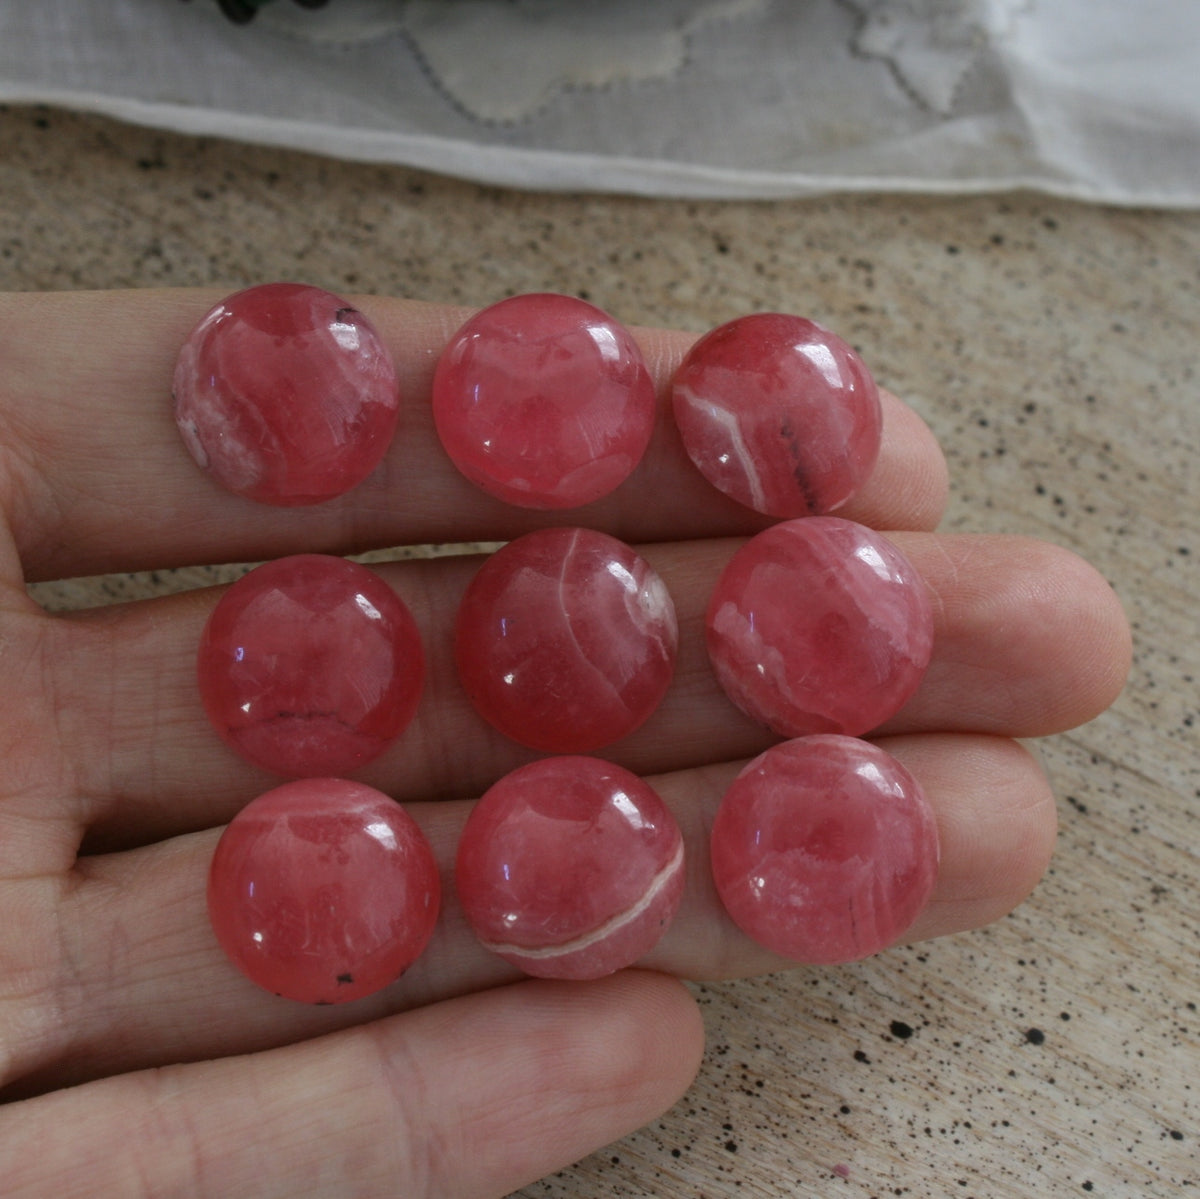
[1103,633]
[1029,638]
[997,825]
[1027,805]
[1075,631]
[910,486]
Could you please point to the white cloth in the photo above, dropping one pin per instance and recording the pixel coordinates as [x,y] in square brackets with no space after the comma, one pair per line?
[1096,99]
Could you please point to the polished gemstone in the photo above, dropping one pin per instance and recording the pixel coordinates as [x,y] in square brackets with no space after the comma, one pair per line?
[286,394]
[819,625]
[310,665]
[544,401]
[323,891]
[824,849]
[778,413]
[570,867]
[566,639]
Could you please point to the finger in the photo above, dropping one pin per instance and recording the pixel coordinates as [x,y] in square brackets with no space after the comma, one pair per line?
[142,979]
[1029,640]
[101,480]
[471,1098]
[996,825]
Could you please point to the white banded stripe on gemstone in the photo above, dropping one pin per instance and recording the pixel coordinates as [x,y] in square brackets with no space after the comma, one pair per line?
[728,423]
[614,924]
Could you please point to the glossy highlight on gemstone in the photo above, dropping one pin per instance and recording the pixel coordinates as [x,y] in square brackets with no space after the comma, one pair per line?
[819,625]
[566,640]
[778,413]
[570,867]
[286,394]
[824,849]
[323,891]
[544,401]
[310,665]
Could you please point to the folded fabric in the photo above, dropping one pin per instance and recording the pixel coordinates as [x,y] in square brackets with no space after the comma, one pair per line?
[1095,99]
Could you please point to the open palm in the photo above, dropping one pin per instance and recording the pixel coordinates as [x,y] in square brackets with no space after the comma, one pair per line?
[136,1059]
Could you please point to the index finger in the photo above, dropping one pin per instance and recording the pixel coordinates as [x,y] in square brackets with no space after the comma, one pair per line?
[98,479]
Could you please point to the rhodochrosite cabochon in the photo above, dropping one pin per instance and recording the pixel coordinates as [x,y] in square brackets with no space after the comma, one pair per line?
[544,401]
[824,849]
[310,665]
[286,394]
[566,640]
[819,625]
[570,867]
[323,890]
[778,413]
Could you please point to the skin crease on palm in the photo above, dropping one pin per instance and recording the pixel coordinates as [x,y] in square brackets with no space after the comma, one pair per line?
[135,1059]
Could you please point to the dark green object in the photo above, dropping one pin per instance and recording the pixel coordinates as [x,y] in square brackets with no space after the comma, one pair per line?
[242,11]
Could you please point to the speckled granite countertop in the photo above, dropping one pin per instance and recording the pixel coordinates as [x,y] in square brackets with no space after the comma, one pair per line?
[1053,349]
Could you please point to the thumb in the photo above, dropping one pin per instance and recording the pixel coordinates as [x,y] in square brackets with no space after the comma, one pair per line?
[473,1097]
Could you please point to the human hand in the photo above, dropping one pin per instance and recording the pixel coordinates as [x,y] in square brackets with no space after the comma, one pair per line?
[460,1079]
